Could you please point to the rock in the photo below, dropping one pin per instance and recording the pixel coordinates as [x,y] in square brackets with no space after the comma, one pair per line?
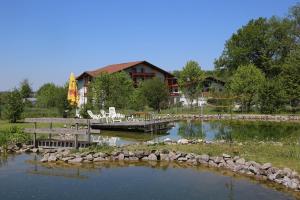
[99,159]
[66,159]
[76,160]
[66,152]
[287,171]
[35,150]
[254,170]
[164,157]
[121,156]
[230,164]
[89,157]
[235,158]
[152,156]
[172,156]
[133,158]
[182,141]
[182,159]
[226,156]
[52,158]
[167,140]
[218,160]
[266,166]
[237,168]
[44,159]
[190,156]
[212,163]
[240,161]
[145,158]
[203,157]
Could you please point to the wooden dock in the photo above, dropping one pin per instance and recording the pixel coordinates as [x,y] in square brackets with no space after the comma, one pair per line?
[68,137]
[138,126]
[80,130]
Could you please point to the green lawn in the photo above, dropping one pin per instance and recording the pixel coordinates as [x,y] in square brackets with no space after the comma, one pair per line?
[5,125]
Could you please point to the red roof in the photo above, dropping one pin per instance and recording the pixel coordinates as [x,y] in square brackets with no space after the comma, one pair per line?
[118,67]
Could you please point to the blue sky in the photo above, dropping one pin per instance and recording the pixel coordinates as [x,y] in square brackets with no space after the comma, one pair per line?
[45,40]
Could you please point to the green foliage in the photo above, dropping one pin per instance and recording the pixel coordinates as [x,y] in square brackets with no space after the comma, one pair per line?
[52,96]
[83,110]
[25,89]
[272,96]
[13,135]
[46,95]
[111,90]
[61,101]
[262,42]
[14,106]
[291,77]
[155,92]
[190,80]
[245,84]
[137,100]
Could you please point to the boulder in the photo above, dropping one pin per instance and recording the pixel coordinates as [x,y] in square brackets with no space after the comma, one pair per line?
[182,159]
[172,156]
[254,170]
[203,157]
[89,157]
[66,159]
[226,156]
[35,150]
[164,157]
[52,158]
[133,158]
[212,163]
[121,156]
[240,161]
[266,166]
[76,160]
[152,156]
[99,159]
[182,141]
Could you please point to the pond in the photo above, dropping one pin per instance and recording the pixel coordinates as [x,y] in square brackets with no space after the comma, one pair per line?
[21,177]
[216,130]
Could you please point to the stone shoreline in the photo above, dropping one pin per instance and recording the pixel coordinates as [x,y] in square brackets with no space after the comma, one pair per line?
[236,164]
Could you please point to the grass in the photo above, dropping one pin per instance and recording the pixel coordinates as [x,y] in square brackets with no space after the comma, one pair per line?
[5,125]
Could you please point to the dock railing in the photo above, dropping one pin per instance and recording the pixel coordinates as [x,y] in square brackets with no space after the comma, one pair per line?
[74,131]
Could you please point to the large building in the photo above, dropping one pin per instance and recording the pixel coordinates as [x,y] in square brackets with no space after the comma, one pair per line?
[138,71]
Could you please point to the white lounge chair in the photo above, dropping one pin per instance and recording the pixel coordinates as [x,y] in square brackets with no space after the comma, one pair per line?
[105,115]
[96,117]
[115,117]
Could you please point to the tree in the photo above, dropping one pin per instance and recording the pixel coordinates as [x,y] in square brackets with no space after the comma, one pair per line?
[190,80]
[25,89]
[14,106]
[245,84]
[61,100]
[46,95]
[111,90]
[155,92]
[262,42]
[272,96]
[291,77]
[137,100]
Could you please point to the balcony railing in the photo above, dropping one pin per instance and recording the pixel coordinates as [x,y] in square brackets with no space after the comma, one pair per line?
[142,74]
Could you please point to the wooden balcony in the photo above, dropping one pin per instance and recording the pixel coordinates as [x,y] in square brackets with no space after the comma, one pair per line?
[142,74]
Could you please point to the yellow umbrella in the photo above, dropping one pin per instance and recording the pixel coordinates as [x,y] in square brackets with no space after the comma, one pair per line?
[72,92]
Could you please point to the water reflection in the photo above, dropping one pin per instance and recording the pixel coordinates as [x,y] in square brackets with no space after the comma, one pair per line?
[216,130]
[125,180]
